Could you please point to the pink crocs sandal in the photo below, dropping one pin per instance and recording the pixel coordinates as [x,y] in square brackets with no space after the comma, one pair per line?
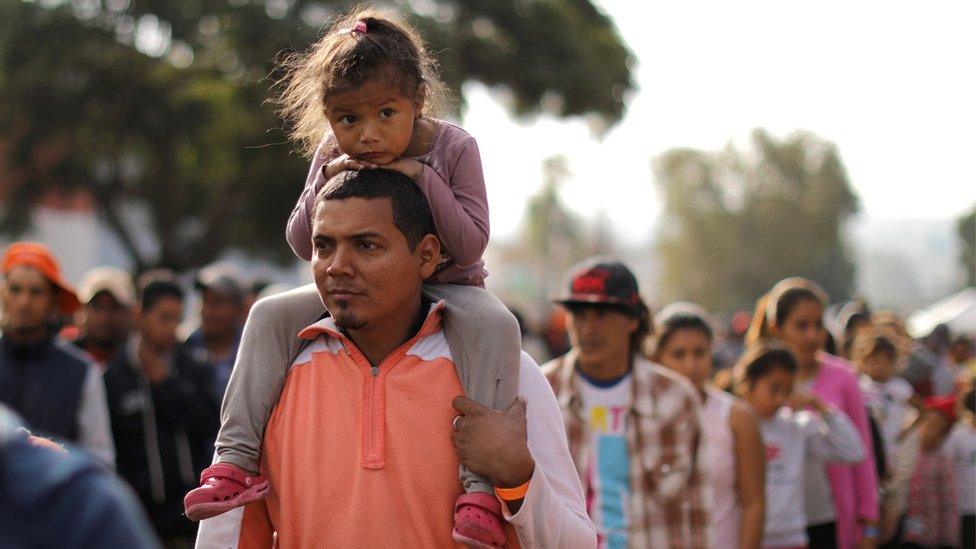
[478,521]
[223,487]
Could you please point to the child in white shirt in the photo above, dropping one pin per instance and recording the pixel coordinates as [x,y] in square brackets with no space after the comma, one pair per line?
[794,440]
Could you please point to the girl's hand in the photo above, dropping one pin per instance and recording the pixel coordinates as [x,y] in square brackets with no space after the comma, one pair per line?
[343,163]
[801,401]
[409,168]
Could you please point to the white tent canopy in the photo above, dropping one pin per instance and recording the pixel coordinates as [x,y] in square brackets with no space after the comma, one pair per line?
[958,312]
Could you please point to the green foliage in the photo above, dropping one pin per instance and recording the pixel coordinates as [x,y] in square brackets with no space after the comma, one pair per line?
[161,106]
[966,229]
[737,221]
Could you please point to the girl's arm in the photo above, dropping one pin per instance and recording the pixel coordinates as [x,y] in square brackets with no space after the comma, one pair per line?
[460,206]
[299,229]
[750,475]
[833,437]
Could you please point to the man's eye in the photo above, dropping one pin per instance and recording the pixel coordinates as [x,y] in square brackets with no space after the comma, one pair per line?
[367,246]
[322,246]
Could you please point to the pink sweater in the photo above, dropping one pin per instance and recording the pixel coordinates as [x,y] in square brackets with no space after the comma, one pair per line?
[854,487]
[454,185]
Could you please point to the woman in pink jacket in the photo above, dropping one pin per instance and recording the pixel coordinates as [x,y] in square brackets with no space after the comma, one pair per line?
[844,512]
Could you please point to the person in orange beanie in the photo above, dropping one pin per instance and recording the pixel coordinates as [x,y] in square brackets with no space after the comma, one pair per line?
[51,384]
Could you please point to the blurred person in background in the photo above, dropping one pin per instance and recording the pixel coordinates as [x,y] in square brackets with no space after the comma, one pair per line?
[108,297]
[841,512]
[853,319]
[217,339]
[554,333]
[926,371]
[891,399]
[52,384]
[254,290]
[163,415]
[732,344]
[634,427]
[682,341]
[50,497]
[531,343]
[961,449]
[932,516]
[800,433]
[963,361]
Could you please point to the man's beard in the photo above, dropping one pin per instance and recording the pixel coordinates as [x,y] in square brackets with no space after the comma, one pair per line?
[346,320]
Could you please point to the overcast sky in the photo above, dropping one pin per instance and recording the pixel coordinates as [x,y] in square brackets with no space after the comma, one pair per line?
[893,84]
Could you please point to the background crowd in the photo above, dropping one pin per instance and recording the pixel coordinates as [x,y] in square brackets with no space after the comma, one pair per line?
[115,368]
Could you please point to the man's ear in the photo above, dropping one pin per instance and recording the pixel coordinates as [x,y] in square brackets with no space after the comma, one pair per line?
[429,252]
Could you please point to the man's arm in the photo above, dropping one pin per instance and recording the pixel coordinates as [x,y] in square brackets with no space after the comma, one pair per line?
[552,513]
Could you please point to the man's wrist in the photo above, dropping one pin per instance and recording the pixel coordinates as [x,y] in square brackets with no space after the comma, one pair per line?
[517,476]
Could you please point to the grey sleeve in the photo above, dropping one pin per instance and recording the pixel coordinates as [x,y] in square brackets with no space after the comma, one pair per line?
[834,438]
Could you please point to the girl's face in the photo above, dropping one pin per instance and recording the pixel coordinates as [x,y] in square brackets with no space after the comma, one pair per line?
[373,122]
[689,352]
[803,331]
[878,366]
[770,392]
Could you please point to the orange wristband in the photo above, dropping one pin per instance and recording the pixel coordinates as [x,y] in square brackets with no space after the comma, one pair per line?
[513,494]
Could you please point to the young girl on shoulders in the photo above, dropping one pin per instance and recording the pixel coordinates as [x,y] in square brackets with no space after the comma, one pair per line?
[365,96]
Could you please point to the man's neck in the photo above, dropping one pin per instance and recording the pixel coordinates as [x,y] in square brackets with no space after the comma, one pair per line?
[613,368]
[380,339]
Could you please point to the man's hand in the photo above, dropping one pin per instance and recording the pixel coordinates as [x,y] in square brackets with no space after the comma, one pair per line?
[493,444]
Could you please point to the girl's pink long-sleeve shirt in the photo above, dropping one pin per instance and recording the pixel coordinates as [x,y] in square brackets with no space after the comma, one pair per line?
[454,184]
[854,487]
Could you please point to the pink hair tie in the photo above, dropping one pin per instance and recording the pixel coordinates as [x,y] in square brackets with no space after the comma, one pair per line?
[359,28]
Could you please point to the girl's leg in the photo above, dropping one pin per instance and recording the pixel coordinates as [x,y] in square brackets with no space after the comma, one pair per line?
[486,347]
[268,346]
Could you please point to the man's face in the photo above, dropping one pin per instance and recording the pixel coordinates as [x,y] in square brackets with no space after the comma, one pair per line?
[220,315]
[29,299]
[158,325]
[374,122]
[599,333]
[106,320]
[363,267]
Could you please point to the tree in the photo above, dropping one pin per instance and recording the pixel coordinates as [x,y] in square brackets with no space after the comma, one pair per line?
[966,229]
[736,221]
[160,106]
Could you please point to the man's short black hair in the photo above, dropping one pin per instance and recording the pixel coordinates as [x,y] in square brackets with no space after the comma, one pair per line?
[411,211]
[157,290]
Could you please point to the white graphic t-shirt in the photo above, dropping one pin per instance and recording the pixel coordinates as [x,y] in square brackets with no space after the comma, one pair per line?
[605,409]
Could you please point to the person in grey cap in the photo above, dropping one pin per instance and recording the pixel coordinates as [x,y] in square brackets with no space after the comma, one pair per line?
[633,426]
[221,321]
[108,297]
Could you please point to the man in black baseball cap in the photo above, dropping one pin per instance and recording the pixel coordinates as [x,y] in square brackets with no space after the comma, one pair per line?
[623,412]
[604,289]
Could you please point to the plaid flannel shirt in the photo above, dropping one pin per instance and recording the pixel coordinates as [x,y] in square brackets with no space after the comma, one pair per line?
[668,489]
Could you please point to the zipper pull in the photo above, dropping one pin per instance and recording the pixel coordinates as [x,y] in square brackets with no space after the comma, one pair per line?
[375,370]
